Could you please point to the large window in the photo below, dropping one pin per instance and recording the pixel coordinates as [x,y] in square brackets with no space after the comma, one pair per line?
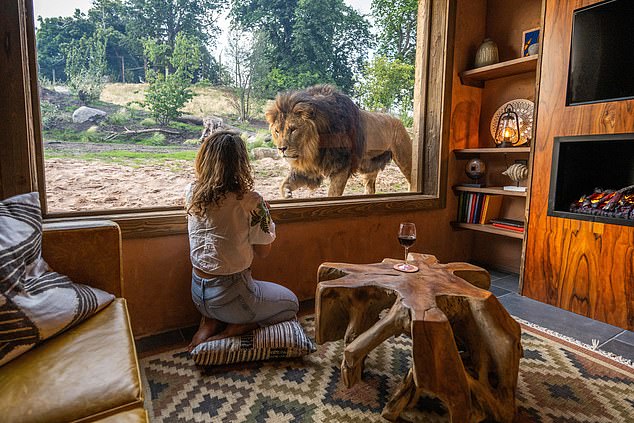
[124,98]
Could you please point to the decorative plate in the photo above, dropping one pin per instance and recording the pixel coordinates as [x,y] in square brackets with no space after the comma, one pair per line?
[524,109]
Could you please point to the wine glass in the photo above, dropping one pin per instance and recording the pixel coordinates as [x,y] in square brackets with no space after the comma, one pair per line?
[407,238]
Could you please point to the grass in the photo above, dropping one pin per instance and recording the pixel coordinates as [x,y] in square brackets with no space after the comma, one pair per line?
[123,94]
[66,135]
[187,127]
[129,158]
[155,139]
[208,100]
[120,117]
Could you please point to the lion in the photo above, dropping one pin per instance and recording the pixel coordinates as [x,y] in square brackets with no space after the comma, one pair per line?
[323,134]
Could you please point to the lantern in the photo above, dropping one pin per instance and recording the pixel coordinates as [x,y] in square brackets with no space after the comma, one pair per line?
[508,133]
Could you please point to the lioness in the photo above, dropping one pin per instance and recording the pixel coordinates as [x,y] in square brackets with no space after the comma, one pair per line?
[322,133]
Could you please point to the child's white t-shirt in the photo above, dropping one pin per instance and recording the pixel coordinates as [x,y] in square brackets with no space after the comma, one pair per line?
[221,244]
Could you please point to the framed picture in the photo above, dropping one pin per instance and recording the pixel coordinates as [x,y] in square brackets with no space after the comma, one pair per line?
[530,42]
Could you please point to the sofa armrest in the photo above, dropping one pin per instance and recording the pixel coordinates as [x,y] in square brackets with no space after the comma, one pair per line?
[88,252]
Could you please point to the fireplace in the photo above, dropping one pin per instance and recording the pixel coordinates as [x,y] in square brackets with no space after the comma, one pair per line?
[583,166]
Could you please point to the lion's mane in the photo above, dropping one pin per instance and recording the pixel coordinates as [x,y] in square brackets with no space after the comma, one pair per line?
[340,139]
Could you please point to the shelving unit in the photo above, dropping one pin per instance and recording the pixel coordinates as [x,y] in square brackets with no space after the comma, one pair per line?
[492,186]
[477,95]
[476,77]
[464,152]
[489,229]
[490,190]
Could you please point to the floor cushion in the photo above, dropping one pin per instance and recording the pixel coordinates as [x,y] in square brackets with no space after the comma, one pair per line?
[281,340]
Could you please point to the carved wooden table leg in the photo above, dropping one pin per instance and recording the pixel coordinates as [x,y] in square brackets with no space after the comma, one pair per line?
[394,323]
[465,346]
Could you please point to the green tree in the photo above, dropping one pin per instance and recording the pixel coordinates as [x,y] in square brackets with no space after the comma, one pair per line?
[304,42]
[124,52]
[388,86]
[274,21]
[86,66]
[53,36]
[163,20]
[396,22]
[169,90]
[241,60]
[330,39]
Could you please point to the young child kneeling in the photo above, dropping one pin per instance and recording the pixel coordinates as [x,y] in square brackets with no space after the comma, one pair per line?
[228,223]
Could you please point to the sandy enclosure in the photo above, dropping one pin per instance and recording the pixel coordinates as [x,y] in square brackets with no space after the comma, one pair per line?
[74,184]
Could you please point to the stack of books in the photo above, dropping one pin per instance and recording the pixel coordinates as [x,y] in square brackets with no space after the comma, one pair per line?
[510,224]
[478,207]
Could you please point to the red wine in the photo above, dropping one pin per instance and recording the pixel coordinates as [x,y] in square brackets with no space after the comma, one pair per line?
[407,241]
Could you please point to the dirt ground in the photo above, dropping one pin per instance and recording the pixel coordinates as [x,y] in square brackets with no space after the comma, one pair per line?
[79,185]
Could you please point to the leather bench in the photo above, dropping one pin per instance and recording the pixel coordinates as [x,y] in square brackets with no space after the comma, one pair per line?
[90,372]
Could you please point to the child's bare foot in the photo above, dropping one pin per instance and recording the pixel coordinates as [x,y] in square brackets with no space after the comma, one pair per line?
[208,327]
[234,329]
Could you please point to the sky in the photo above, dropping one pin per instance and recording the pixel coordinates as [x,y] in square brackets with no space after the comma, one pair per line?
[55,8]
[52,8]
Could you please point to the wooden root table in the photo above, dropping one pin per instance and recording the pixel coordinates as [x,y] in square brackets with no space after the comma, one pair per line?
[465,346]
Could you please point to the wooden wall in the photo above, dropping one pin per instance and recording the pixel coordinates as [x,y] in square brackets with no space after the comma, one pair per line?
[157,271]
[584,267]
[16,123]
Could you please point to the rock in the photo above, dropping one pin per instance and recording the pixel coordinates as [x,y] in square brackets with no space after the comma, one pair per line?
[86,114]
[262,152]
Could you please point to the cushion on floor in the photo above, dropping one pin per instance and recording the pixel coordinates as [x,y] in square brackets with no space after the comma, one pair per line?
[281,340]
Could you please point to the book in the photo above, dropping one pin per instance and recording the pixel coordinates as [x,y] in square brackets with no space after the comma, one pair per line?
[476,208]
[480,207]
[472,203]
[508,222]
[485,207]
[511,228]
[460,204]
[492,208]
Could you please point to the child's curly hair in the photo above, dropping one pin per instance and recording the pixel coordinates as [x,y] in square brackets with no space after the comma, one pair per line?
[221,166]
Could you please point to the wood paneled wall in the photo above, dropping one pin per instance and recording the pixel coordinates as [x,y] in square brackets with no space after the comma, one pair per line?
[16,125]
[584,267]
[157,271]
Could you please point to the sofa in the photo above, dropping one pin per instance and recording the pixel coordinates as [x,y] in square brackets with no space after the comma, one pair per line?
[90,372]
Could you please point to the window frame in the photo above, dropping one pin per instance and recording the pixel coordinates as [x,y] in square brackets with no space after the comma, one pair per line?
[432,105]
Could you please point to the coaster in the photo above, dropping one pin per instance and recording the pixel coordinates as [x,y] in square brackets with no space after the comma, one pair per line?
[407,268]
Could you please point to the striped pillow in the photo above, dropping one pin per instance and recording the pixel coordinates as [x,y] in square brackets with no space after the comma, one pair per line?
[281,340]
[35,303]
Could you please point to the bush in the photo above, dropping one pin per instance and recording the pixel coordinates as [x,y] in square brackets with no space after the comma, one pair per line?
[167,93]
[148,122]
[165,96]
[50,114]
[90,135]
[85,66]
[120,117]
[156,139]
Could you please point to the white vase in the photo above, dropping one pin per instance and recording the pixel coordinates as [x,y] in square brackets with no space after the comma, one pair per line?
[487,54]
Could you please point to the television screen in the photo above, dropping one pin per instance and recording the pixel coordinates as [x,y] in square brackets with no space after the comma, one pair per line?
[602,53]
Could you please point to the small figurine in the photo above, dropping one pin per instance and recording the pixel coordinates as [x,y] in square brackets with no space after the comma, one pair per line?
[516,172]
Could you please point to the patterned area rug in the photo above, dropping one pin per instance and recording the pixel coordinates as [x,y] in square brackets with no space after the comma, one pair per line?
[559,381]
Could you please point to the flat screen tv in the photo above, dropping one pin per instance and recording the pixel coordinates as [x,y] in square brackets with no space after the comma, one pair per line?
[602,53]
